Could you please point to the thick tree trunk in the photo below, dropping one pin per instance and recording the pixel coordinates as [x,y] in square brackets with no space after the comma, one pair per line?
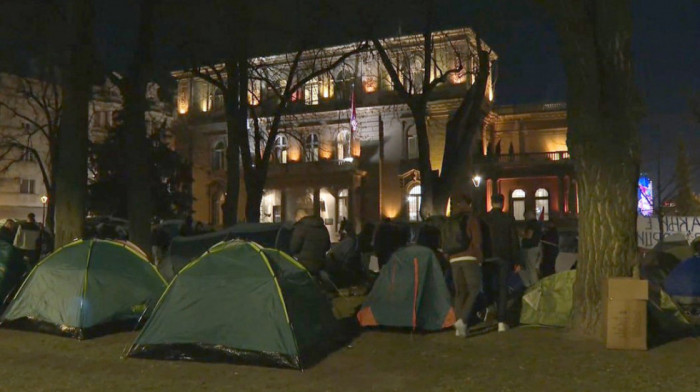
[254,195]
[71,166]
[603,112]
[139,195]
[233,185]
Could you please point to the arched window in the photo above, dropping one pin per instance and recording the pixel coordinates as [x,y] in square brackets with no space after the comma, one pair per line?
[281,145]
[542,203]
[311,147]
[343,147]
[218,156]
[517,202]
[311,92]
[414,199]
[411,144]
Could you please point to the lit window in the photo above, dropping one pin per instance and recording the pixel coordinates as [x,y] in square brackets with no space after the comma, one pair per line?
[254,92]
[414,199]
[517,199]
[281,145]
[218,156]
[26,186]
[542,203]
[369,84]
[311,148]
[343,146]
[327,86]
[311,92]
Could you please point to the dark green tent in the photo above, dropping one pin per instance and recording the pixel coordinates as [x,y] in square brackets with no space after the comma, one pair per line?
[240,303]
[409,292]
[12,268]
[85,289]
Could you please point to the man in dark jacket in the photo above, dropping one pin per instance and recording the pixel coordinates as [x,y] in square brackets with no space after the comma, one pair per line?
[310,242]
[505,250]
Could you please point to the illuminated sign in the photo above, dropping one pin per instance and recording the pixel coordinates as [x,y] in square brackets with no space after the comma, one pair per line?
[645,196]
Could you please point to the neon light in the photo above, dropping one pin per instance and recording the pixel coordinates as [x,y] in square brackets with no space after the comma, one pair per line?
[645,196]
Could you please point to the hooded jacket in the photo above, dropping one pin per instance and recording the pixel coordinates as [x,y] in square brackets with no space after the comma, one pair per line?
[310,242]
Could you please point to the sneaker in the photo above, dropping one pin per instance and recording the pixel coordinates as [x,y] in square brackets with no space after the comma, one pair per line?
[502,327]
[460,329]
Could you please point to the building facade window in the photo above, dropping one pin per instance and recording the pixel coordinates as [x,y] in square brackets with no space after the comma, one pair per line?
[411,144]
[542,203]
[327,86]
[254,92]
[218,156]
[281,146]
[311,148]
[414,201]
[27,155]
[311,92]
[26,186]
[344,145]
[517,202]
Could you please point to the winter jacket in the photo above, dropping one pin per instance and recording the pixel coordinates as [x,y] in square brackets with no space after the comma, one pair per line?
[310,242]
[504,236]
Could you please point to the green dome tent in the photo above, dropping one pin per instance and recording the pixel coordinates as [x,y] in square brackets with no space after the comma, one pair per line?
[409,292]
[240,303]
[549,301]
[85,289]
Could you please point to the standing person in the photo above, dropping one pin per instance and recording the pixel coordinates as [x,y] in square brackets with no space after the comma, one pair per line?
[505,249]
[387,239]
[466,262]
[364,241]
[550,249]
[530,244]
[310,242]
[27,238]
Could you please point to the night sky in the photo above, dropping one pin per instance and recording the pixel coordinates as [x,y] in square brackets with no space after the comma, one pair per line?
[665,48]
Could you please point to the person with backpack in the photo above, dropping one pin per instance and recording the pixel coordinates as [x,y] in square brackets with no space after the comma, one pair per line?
[461,239]
[504,252]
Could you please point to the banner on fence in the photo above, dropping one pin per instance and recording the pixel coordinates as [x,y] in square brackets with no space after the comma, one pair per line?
[648,233]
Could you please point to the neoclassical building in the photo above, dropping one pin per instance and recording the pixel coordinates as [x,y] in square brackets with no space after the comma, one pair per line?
[357,175]
[22,119]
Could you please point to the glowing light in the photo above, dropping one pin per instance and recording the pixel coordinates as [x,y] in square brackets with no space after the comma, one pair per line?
[369,84]
[476,180]
[44,199]
[356,148]
[293,154]
[645,196]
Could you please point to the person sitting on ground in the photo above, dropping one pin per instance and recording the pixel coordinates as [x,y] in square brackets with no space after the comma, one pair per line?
[466,263]
[310,242]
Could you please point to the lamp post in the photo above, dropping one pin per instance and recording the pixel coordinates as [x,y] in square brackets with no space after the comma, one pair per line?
[476,180]
[44,199]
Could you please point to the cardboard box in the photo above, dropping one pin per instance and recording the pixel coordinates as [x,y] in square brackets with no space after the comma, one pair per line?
[625,311]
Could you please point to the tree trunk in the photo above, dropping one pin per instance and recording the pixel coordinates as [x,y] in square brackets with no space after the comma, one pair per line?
[254,195]
[233,166]
[139,195]
[71,166]
[603,112]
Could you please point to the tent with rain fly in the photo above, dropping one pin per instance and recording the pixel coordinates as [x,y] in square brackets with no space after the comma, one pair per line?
[12,269]
[182,250]
[85,289]
[549,302]
[241,303]
[409,292]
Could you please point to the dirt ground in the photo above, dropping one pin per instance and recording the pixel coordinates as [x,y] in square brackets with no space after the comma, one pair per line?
[522,359]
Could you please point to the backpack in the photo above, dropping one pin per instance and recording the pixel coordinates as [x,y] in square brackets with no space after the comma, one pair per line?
[453,237]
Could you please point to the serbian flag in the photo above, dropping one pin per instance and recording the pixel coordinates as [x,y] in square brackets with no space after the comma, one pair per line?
[353,115]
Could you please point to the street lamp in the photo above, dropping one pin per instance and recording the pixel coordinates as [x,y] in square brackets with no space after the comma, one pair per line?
[476,180]
[44,199]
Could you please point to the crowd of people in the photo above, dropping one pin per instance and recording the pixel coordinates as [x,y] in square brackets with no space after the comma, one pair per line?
[489,251]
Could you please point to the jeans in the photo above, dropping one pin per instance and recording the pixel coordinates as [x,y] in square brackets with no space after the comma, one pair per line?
[497,282]
[467,279]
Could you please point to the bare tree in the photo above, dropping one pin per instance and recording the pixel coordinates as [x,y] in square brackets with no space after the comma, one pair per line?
[415,71]
[37,104]
[285,80]
[604,109]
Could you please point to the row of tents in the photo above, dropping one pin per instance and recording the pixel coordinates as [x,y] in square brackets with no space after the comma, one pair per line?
[244,302]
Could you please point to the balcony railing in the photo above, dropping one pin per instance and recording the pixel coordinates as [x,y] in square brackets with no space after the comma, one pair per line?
[536,157]
[322,166]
